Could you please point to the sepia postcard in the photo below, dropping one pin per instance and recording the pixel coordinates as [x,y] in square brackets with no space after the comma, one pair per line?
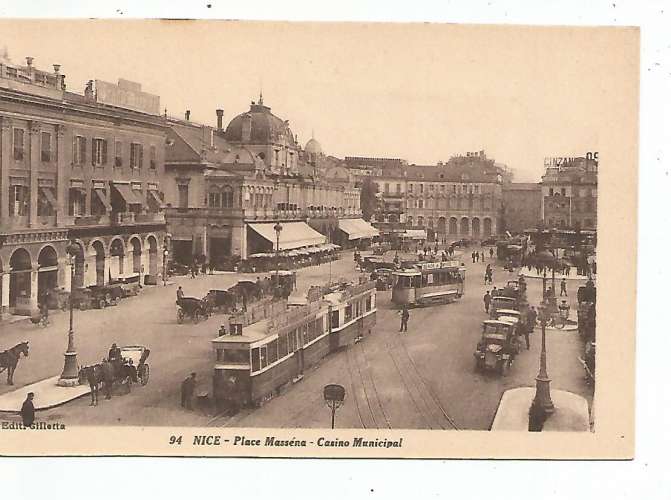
[274,239]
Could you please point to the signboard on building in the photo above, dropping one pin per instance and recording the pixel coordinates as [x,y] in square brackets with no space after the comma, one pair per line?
[563,161]
[127,94]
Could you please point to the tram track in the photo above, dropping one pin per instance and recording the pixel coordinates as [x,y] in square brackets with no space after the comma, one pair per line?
[425,401]
[361,401]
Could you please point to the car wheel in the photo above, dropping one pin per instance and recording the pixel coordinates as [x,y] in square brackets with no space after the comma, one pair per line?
[102,303]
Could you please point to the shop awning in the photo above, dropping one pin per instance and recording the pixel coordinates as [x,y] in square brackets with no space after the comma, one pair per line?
[293,234]
[415,234]
[154,195]
[127,194]
[103,199]
[49,195]
[357,228]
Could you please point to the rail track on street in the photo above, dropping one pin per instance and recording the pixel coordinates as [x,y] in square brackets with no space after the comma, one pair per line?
[364,392]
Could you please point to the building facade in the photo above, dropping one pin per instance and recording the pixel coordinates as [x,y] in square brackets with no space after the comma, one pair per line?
[569,194]
[226,187]
[521,206]
[76,168]
[452,200]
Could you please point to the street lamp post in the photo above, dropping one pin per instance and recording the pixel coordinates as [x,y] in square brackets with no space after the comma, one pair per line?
[334,396]
[70,375]
[542,399]
[165,263]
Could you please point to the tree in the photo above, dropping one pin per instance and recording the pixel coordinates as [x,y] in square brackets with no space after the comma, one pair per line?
[368,198]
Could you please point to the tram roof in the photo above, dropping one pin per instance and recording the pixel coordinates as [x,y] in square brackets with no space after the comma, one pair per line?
[250,333]
[407,272]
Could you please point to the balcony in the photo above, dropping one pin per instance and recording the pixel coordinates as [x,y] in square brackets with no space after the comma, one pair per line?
[91,220]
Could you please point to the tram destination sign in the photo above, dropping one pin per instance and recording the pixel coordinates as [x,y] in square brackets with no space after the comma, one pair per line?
[426,266]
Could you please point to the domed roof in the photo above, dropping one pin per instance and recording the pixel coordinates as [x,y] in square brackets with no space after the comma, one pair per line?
[266,128]
[313,147]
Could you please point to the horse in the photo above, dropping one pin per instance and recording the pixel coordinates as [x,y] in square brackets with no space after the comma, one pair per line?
[92,374]
[10,358]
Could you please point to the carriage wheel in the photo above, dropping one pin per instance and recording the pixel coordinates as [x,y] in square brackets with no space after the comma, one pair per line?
[102,303]
[180,316]
[144,375]
[116,300]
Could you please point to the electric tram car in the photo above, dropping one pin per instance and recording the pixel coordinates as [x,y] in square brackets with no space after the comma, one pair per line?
[428,283]
[253,362]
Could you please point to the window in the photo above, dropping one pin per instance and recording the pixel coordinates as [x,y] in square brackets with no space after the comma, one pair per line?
[552,192]
[442,188]
[135,155]
[79,150]
[348,312]
[76,202]
[256,362]
[421,188]
[410,188]
[183,195]
[236,356]
[99,152]
[335,319]
[18,144]
[386,187]
[118,154]
[398,189]
[563,191]
[43,205]
[152,157]
[282,346]
[420,203]
[454,188]
[292,340]
[214,200]
[431,186]
[476,189]
[19,200]
[369,304]
[46,147]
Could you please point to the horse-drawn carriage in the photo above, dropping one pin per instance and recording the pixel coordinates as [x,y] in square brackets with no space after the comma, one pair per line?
[192,307]
[220,301]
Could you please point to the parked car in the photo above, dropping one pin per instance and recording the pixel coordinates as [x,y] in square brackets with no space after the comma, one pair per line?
[177,269]
[105,295]
[129,284]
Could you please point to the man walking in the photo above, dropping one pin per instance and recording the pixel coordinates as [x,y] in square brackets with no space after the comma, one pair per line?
[473,257]
[188,388]
[562,286]
[28,410]
[405,315]
[180,294]
[487,299]
[531,319]
[491,253]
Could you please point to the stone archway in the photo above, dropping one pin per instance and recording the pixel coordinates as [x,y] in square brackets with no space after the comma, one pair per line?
[47,270]
[487,223]
[136,246]
[476,226]
[453,225]
[20,269]
[463,227]
[441,225]
[117,258]
[99,249]
[153,255]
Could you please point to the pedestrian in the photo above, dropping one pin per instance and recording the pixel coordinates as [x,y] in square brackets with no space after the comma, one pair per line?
[44,308]
[482,256]
[28,410]
[405,316]
[193,270]
[473,256]
[521,328]
[531,319]
[562,287]
[203,268]
[487,299]
[180,294]
[211,266]
[188,388]
[491,253]
[108,378]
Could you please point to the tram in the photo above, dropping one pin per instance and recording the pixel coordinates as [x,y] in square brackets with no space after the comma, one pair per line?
[428,283]
[256,360]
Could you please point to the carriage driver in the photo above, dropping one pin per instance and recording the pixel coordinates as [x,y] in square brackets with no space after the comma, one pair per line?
[114,355]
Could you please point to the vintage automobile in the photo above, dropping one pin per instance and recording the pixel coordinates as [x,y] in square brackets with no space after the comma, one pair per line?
[509,315]
[497,348]
[105,295]
[129,284]
[501,302]
[177,269]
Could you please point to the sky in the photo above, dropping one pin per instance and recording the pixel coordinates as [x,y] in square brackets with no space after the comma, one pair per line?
[422,92]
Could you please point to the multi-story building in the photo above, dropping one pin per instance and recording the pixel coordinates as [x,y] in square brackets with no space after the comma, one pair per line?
[521,206]
[459,198]
[83,168]
[227,188]
[569,194]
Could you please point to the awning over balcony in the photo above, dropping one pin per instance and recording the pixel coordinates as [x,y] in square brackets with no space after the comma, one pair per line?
[293,235]
[127,194]
[357,228]
[103,199]
[49,195]
[154,195]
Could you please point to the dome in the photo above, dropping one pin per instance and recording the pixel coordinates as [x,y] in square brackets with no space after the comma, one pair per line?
[266,128]
[313,147]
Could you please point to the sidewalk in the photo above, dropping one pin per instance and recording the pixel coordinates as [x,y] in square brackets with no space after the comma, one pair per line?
[571,411]
[47,395]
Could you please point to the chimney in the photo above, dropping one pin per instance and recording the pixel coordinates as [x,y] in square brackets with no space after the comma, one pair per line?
[57,68]
[29,61]
[187,114]
[220,119]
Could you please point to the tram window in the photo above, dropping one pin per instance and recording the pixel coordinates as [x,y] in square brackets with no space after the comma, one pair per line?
[416,281]
[263,357]
[291,337]
[335,319]
[256,362]
[272,352]
[282,346]
[348,312]
[236,356]
[369,304]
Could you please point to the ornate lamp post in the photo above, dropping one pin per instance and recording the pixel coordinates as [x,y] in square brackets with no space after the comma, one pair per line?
[542,399]
[70,375]
[165,263]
